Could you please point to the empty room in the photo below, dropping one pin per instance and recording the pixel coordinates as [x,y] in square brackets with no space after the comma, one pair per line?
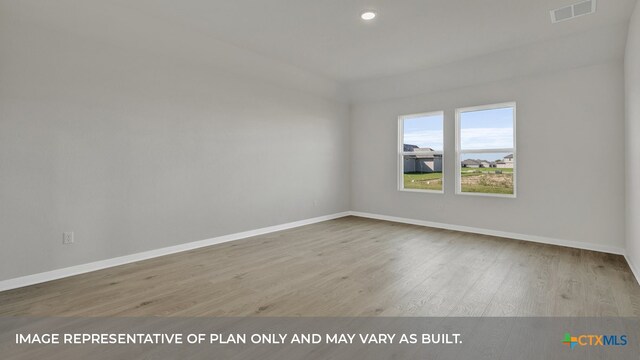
[433,179]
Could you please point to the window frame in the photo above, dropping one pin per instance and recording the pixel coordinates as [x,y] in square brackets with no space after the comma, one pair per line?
[460,152]
[401,153]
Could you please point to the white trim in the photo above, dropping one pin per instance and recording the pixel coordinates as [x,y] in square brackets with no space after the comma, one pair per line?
[459,151]
[103,264]
[634,270]
[402,153]
[506,196]
[122,260]
[504,234]
[426,191]
[502,105]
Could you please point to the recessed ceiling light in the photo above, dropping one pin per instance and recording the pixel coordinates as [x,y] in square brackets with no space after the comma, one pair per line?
[368,15]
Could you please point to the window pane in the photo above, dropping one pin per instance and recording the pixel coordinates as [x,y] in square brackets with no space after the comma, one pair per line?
[486,129]
[423,172]
[423,133]
[489,173]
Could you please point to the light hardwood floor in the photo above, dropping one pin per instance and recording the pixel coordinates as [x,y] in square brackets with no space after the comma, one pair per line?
[348,267]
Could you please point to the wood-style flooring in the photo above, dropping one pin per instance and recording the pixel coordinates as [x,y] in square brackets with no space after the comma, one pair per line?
[348,267]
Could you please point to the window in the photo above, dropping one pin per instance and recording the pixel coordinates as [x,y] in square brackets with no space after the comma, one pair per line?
[486,150]
[420,152]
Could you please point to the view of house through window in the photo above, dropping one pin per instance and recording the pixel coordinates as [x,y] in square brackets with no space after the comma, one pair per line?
[421,148]
[486,150]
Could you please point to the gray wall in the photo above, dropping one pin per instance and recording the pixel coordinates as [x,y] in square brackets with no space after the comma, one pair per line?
[132,131]
[137,134]
[632,74]
[592,47]
[570,116]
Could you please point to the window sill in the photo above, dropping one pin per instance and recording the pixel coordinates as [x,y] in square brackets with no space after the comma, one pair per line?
[441,192]
[505,196]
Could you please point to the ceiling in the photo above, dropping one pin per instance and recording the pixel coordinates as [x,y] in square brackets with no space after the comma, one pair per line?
[328,37]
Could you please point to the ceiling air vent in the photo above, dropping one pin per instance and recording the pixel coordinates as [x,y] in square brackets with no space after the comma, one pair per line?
[573,11]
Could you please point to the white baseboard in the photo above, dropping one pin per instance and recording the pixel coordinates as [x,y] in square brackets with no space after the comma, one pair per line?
[633,268]
[103,264]
[504,234]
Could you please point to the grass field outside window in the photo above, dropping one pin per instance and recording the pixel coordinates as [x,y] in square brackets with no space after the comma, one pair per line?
[486,150]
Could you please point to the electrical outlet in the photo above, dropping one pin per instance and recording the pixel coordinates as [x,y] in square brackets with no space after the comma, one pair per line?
[67,238]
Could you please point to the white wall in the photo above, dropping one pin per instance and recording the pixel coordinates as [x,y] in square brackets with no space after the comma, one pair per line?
[138,134]
[566,116]
[632,75]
